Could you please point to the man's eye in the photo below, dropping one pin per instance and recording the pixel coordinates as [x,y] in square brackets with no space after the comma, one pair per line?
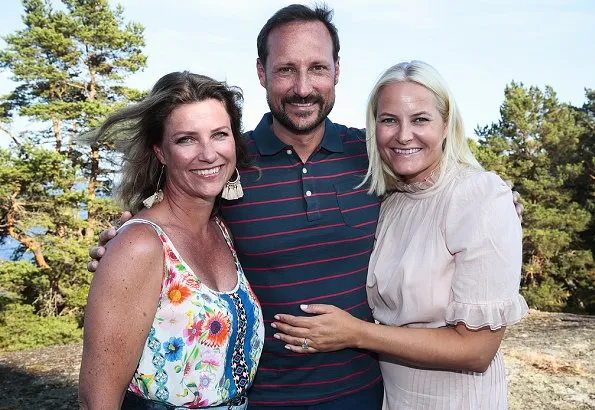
[285,69]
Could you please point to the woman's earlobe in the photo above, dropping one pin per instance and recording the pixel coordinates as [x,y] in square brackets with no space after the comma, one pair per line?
[159,155]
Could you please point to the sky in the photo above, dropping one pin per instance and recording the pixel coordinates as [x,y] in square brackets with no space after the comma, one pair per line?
[478,46]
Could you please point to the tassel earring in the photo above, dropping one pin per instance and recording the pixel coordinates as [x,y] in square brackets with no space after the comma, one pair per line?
[158,195]
[233,189]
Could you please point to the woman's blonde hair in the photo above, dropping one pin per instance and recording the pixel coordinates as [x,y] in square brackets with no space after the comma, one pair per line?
[137,128]
[456,148]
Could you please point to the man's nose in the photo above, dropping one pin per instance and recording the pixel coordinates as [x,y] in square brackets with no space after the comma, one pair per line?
[303,85]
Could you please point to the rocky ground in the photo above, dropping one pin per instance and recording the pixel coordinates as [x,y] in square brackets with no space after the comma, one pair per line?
[550,360]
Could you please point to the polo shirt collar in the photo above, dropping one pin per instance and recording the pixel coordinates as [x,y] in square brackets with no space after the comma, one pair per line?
[268,143]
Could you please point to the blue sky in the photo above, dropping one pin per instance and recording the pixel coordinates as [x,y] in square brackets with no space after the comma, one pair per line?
[478,45]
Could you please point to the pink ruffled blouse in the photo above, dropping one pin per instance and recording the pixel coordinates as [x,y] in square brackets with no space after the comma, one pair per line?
[446,253]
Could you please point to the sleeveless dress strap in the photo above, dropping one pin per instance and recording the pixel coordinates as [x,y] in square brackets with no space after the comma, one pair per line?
[144,221]
[171,253]
[226,235]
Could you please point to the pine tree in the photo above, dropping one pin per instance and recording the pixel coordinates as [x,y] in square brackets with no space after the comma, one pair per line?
[71,66]
[109,50]
[537,144]
[39,57]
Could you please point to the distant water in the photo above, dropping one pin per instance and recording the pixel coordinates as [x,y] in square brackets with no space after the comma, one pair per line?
[8,247]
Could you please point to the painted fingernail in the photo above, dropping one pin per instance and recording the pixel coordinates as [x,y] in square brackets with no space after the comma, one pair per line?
[274,325]
[276,336]
[276,317]
[303,307]
[287,347]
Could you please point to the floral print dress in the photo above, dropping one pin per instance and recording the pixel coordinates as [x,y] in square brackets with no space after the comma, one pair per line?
[204,346]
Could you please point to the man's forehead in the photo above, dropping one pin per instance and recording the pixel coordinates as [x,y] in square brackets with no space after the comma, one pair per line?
[303,38]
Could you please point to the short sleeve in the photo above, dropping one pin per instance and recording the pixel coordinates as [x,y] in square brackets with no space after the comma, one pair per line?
[483,232]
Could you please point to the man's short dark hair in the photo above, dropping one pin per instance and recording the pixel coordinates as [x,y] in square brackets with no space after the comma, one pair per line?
[297,13]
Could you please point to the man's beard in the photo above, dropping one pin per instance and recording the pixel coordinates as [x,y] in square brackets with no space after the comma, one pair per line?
[281,116]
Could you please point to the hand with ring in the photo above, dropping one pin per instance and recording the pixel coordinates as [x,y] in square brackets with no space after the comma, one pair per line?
[327,329]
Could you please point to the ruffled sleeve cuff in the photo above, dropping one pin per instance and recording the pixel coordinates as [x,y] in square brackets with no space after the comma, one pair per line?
[495,315]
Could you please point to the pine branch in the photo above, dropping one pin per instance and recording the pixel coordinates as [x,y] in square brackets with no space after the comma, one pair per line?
[10,134]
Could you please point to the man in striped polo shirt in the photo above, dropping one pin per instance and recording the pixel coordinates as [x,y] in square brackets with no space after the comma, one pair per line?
[303,231]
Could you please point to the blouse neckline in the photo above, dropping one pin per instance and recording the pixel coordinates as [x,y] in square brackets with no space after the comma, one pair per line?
[431,185]
[418,186]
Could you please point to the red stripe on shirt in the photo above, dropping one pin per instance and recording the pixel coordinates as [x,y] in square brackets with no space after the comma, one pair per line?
[293,302]
[338,258]
[304,282]
[271,201]
[314,245]
[349,376]
[288,369]
[357,171]
[288,232]
[279,217]
[359,207]
[334,396]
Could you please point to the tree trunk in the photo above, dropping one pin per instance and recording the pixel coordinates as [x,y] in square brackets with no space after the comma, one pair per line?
[92,85]
[70,143]
[28,242]
[94,173]
[57,135]
[55,121]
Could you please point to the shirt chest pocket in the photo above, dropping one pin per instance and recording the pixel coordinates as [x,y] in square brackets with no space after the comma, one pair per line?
[358,209]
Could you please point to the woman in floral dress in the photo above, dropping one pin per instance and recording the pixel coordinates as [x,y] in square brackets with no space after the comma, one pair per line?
[171,321]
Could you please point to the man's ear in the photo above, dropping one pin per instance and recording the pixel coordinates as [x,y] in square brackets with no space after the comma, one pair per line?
[261,72]
[337,70]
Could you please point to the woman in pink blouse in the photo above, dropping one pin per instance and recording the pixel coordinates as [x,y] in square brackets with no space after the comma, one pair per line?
[444,276]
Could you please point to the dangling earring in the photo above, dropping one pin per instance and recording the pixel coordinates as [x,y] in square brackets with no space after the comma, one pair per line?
[233,189]
[443,144]
[158,195]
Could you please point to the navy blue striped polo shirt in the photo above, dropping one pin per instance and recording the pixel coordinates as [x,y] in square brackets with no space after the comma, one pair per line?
[304,234]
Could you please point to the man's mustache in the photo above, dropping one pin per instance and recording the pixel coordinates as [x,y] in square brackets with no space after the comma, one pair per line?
[310,99]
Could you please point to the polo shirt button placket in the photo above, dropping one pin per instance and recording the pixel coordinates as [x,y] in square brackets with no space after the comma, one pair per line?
[311,201]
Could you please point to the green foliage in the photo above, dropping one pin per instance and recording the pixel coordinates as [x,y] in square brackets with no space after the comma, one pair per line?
[21,328]
[19,282]
[547,295]
[70,63]
[41,206]
[543,146]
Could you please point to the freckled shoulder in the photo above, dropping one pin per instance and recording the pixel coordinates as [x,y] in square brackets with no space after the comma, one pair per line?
[135,251]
